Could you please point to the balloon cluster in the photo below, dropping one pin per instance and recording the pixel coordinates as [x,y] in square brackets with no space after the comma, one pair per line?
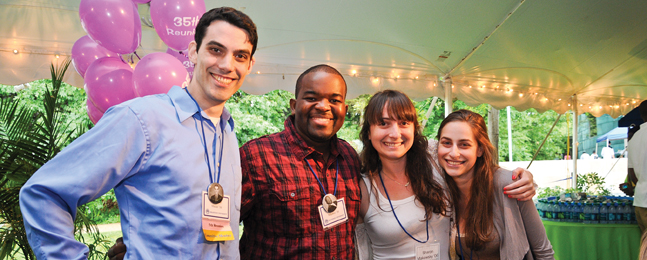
[114,29]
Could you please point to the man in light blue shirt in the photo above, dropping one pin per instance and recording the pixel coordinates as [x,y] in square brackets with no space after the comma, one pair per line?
[159,153]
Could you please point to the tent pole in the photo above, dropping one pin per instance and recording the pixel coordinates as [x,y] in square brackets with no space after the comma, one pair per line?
[509,135]
[448,95]
[431,108]
[575,142]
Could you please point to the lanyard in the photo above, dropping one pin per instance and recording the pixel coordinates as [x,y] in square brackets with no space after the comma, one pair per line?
[320,184]
[458,230]
[396,216]
[204,143]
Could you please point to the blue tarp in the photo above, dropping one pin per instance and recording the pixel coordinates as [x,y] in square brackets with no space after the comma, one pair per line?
[615,134]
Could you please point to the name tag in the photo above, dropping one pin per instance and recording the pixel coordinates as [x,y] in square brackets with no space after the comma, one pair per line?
[428,251]
[333,219]
[216,219]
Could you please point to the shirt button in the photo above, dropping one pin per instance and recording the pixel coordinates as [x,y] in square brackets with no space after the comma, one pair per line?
[292,194]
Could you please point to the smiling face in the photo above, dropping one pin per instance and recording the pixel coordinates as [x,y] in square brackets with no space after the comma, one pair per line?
[221,64]
[320,108]
[392,138]
[458,150]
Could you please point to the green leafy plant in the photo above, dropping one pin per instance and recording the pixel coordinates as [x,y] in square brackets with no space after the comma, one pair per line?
[103,210]
[592,184]
[29,138]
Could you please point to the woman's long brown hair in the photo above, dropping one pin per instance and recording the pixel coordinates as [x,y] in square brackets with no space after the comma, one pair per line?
[420,166]
[478,215]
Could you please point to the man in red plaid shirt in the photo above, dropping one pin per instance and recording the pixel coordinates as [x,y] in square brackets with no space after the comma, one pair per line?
[287,174]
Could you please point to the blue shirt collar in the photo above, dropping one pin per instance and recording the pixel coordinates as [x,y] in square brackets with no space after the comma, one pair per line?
[185,107]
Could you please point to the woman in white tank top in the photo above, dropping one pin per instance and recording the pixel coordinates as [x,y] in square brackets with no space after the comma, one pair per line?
[403,203]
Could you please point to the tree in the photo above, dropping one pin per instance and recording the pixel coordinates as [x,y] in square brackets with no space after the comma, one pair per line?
[258,115]
[528,131]
[31,135]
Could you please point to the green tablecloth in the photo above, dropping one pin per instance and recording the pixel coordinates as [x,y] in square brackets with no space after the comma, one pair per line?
[573,241]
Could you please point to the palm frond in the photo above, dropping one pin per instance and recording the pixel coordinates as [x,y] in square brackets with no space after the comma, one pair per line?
[28,139]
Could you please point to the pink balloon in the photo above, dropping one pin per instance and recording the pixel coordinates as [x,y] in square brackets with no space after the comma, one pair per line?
[182,57]
[93,112]
[113,24]
[109,82]
[156,73]
[85,51]
[175,21]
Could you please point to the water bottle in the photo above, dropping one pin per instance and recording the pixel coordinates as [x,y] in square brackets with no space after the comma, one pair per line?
[569,212]
[633,213]
[561,214]
[540,209]
[555,211]
[579,211]
[604,213]
[588,213]
[613,213]
[549,211]
[626,210]
[595,213]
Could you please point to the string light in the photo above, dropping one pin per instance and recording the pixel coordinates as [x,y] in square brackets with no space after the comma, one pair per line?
[520,94]
[15,51]
[258,72]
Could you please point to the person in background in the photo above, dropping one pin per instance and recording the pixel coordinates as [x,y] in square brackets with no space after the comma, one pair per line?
[594,155]
[405,211]
[160,153]
[628,186]
[607,152]
[488,224]
[585,156]
[637,164]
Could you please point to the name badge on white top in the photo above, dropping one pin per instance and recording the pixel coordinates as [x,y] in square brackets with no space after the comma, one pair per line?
[428,251]
[334,218]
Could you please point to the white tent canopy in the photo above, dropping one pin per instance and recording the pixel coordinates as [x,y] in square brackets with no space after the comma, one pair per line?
[503,52]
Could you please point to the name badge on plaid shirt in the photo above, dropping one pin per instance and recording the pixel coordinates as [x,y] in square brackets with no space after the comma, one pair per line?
[332,219]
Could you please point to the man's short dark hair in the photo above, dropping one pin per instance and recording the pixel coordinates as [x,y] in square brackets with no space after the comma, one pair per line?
[230,15]
[643,110]
[321,67]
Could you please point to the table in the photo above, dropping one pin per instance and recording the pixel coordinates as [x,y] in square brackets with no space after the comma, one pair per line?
[593,241]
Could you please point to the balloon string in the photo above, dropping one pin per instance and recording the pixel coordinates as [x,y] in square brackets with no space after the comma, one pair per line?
[139,58]
[122,59]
